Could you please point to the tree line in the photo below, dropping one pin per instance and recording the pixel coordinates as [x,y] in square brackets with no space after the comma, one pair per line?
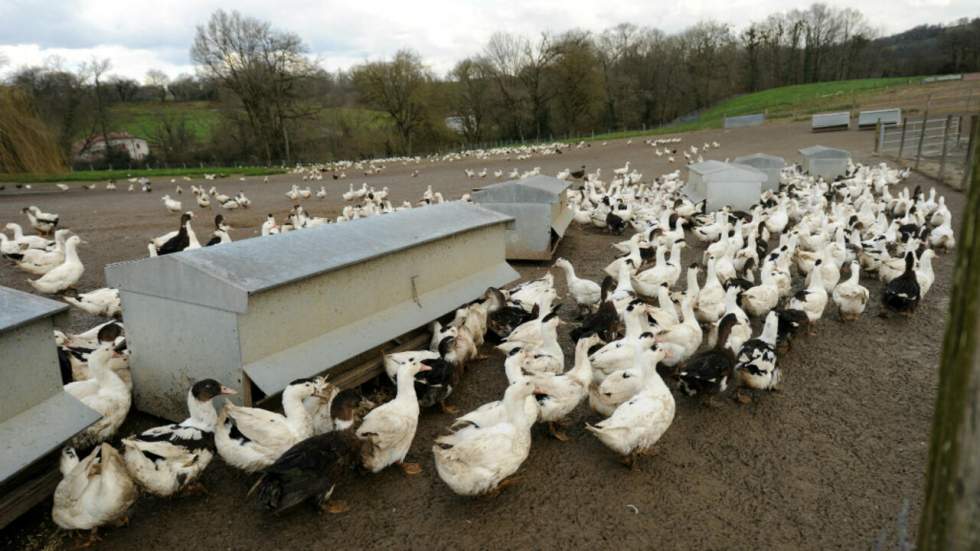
[275,103]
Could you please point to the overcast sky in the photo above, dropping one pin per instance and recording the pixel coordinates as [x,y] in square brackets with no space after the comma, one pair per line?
[138,35]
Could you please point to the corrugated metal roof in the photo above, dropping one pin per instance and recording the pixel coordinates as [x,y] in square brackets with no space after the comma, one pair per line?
[761,160]
[534,189]
[823,152]
[224,276]
[715,168]
[18,308]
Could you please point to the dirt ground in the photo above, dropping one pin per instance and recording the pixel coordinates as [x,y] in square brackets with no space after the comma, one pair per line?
[826,463]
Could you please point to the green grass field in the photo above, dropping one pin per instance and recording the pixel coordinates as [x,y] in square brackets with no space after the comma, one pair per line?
[141,119]
[122,175]
[782,103]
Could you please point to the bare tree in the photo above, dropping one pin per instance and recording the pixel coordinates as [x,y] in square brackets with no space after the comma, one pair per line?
[95,70]
[397,87]
[158,80]
[473,96]
[262,67]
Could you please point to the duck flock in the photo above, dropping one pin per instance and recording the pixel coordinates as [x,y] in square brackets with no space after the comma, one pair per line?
[640,339]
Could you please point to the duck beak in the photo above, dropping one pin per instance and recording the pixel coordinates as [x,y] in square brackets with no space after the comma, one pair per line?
[225,391]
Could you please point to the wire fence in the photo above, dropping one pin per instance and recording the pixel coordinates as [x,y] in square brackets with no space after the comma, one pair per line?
[939,146]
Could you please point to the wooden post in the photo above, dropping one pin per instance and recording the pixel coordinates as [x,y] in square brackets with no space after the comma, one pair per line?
[942,158]
[901,142]
[922,137]
[877,136]
[952,503]
[971,154]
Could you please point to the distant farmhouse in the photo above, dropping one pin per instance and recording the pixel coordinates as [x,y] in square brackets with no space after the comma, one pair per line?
[93,148]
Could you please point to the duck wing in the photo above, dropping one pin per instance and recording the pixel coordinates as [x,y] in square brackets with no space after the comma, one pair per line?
[262,426]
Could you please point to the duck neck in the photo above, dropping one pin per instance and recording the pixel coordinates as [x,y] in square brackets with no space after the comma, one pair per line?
[582,372]
[296,414]
[406,387]
[771,330]
[71,253]
[202,412]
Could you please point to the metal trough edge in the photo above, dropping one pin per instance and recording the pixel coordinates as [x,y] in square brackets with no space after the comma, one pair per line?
[272,373]
[34,433]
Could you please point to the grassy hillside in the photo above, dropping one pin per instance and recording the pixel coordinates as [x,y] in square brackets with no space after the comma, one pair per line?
[802,100]
[141,119]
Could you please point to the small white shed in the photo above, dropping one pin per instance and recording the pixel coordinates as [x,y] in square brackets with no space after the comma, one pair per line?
[36,415]
[771,165]
[825,162]
[258,313]
[723,184]
[540,210]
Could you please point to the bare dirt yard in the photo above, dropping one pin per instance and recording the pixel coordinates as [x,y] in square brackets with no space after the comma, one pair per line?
[826,463]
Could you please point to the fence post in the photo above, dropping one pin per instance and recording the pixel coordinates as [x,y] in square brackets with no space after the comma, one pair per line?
[950,509]
[942,158]
[878,129]
[901,141]
[970,153]
[922,137]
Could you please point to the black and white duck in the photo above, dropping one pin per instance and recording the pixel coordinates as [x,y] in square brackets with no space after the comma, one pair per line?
[168,459]
[708,373]
[902,294]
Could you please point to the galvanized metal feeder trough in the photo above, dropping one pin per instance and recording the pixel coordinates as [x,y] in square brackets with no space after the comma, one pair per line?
[722,184]
[825,162]
[867,120]
[36,415]
[540,211]
[827,122]
[771,165]
[258,313]
[745,121]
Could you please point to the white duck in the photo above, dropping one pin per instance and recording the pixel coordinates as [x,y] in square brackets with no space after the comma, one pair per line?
[173,207]
[105,392]
[586,293]
[42,222]
[637,424]
[94,491]
[167,459]
[100,302]
[64,275]
[40,261]
[29,241]
[558,395]
[759,300]
[388,430]
[251,439]
[924,273]
[711,298]
[682,340]
[741,331]
[942,237]
[850,296]
[813,299]
[623,384]
[477,460]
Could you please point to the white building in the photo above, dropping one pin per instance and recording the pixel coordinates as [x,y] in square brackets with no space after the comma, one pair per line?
[93,149]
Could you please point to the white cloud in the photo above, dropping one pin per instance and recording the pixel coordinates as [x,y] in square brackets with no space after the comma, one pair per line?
[140,34]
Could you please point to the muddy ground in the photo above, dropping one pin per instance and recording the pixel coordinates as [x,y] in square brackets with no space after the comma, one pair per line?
[826,463]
